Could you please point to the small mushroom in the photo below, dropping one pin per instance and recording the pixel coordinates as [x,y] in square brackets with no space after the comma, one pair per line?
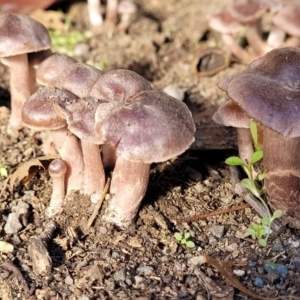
[111,17]
[51,67]
[57,170]
[78,79]
[126,9]
[249,13]
[20,35]
[39,113]
[288,20]
[269,92]
[80,116]
[151,127]
[222,22]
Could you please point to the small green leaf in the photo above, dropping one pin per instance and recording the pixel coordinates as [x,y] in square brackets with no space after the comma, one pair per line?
[254,134]
[3,172]
[178,236]
[183,241]
[262,242]
[190,244]
[249,184]
[234,161]
[251,232]
[261,232]
[277,213]
[266,221]
[187,235]
[256,156]
[256,227]
[261,176]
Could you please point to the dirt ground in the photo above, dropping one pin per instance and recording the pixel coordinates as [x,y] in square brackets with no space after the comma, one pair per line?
[145,261]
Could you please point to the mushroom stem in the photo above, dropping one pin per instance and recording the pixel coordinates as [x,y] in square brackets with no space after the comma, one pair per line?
[282,168]
[111,13]
[255,40]
[244,140]
[19,87]
[128,187]
[70,152]
[276,37]
[94,11]
[94,176]
[57,170]
[236,49]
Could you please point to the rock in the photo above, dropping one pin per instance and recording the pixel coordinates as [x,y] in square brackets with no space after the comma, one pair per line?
[259,282]
[120,275]
[13,224]
[144,270]
[217,230]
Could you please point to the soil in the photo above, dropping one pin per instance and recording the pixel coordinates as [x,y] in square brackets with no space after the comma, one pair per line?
[145,261]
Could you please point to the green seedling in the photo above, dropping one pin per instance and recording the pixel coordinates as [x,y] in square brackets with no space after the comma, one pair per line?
[3,171]
[63,41]
[261,231]
[184,239]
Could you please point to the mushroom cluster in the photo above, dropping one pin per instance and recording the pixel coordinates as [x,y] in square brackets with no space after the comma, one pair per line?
[112,120]
[247,16]
[268,91]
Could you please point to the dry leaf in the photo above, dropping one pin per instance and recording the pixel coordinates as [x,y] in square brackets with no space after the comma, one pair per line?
[51,19]
[28,170]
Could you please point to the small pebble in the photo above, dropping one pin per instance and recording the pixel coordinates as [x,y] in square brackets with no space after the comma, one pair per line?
[217,230]
[68,280]
[277,247]
[259,282]
[120,275]
[174,91]
[144,270]
[13,224]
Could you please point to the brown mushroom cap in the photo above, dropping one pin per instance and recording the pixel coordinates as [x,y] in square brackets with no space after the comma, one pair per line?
[119,85]
[231,114]
[269,90]
[80,116]
[245,11]
[223,22]
[78,79]
[52,66]
[38,111]
[288,19]
[152,127]
[21,34]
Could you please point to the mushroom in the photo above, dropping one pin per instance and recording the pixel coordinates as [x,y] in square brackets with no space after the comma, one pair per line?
[150,127]
[51,67]
[78,79]
[222,22]
[269,92]
[57,170]
[126,9]
[288,20]
[39,113]
[20,35]
[230,114]
[249,13]
[117,85]
[80,116]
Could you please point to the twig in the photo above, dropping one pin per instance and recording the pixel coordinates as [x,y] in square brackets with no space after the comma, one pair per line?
[98,205]
[213,213]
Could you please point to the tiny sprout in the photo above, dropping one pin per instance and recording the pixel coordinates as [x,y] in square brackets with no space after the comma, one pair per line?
[261,231]
[3,171]
[184,239]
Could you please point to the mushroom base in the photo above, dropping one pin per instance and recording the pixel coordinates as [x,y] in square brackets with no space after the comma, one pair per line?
[128,187]
[282,168]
